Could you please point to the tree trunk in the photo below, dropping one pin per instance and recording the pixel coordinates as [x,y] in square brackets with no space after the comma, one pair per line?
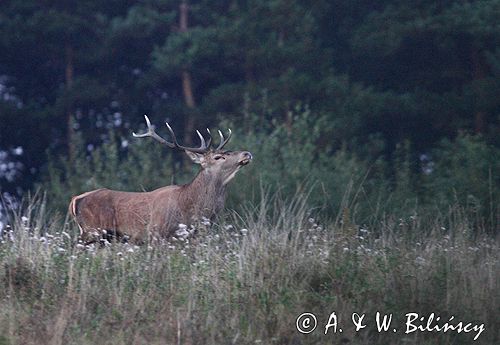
[69,77]
[187,88]
[479,72]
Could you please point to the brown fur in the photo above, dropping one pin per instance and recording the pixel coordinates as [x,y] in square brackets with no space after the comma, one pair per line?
[158,213]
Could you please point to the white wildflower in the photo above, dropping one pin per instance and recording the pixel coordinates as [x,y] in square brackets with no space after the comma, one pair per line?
[205,221]
[182,234]
[420,260]
[18,151]
[105,241]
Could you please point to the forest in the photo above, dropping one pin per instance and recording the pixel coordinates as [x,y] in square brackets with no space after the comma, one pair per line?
[375,77]
[375,133]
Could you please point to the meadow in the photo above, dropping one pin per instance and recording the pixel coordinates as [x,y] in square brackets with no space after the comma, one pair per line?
[373,193]
[247,277]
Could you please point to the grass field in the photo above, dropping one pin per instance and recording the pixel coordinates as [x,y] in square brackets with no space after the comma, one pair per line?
[247,279]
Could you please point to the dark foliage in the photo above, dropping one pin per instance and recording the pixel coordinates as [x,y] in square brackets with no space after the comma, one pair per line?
[381,81]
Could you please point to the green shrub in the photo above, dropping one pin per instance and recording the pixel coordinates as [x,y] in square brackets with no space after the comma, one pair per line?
[298,158]
[141,165]
[466,172]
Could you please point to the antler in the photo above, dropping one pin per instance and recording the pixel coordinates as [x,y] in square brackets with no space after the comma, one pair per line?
[151,133]
[222,140]
[202,149]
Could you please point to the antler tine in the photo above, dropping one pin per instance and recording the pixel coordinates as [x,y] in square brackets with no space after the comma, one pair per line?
[222,140]
[203,143]
[172,134]
[209,138]
[151,133]
[202,149]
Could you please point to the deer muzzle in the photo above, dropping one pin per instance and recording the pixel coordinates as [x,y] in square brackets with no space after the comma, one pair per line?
[246,158]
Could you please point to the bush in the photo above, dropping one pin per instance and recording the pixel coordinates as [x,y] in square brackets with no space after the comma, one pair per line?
[465,171]
[298,158]
[117,164]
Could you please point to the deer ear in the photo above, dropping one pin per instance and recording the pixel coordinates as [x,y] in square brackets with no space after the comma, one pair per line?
[195,157]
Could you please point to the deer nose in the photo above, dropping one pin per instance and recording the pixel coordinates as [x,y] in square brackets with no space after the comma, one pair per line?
[247,155]
[246,158]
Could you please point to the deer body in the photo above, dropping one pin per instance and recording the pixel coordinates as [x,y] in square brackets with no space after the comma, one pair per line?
[158,213]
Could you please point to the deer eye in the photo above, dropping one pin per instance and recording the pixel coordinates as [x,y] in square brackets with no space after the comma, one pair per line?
[219,157]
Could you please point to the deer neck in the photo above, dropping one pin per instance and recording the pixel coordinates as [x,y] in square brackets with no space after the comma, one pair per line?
[207,182]
[207,193]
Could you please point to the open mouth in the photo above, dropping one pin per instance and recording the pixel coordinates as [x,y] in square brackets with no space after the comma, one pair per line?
[247,157]
[245,161]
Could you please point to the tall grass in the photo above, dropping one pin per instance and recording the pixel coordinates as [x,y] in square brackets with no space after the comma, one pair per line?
[245,279]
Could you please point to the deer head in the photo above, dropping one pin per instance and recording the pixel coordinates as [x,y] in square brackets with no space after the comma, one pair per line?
[223,164]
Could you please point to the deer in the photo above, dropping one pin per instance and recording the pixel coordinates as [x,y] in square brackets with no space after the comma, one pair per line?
[104,214]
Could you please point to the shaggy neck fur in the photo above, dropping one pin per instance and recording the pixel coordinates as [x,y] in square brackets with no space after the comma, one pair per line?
[204,196]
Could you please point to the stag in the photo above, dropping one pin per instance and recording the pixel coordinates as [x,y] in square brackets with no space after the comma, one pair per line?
[140,216]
